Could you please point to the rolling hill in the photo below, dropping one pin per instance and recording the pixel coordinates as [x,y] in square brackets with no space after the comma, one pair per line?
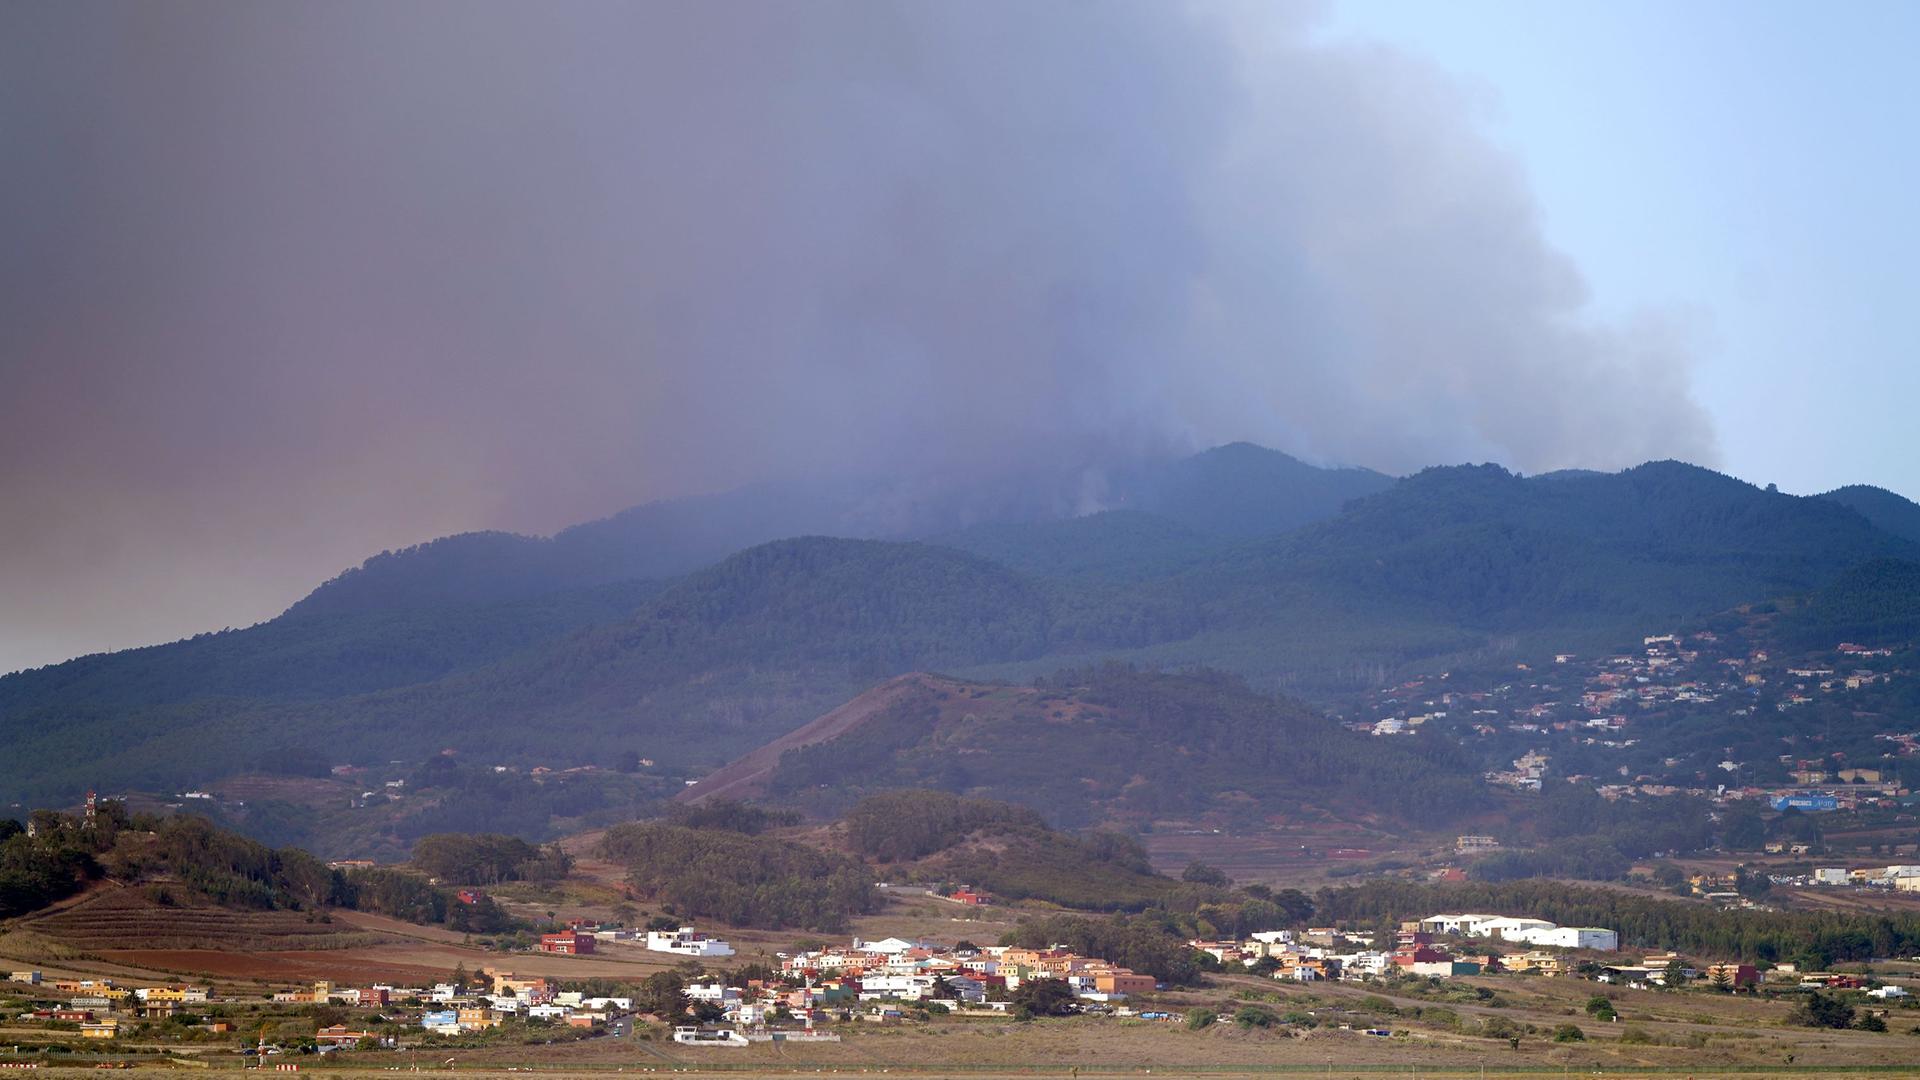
[1108,744]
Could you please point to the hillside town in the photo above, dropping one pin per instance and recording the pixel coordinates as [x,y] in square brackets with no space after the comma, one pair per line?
[1598,706]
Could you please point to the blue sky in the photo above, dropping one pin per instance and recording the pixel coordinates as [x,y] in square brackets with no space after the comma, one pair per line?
[1746,169]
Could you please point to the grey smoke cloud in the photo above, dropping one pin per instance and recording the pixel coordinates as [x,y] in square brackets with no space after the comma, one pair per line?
[282,285]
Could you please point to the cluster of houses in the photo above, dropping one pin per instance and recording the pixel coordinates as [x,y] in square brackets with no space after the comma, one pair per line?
[581,940]
[1596,701]
[1901,877]
[502,995]
[98,1006]
[1328,953]
[895,969]
[870,980]
[1325,953]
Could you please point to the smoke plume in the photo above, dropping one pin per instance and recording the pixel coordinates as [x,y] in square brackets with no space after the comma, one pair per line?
[281,285]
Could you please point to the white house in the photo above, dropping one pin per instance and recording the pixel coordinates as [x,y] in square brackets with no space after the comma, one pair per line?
[693,1036]
[713,993]
[686,941]
[903,987]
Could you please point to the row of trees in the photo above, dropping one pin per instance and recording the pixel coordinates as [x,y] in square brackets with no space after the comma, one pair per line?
[488,859]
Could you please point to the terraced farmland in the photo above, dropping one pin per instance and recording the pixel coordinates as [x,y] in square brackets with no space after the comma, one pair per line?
[133,917]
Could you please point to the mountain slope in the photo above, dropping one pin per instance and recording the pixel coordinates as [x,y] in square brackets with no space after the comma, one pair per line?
[1111,744]
[1485,550]
[719,662]
[1451,564]
[1243,490]
[1113,546]
[305,657]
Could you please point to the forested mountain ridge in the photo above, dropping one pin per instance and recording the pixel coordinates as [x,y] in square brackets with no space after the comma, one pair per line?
[1889,512]
[1452,562]
[1239,490]
[711,666]
[1487,552]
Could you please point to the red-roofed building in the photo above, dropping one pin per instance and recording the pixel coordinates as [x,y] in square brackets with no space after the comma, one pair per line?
[567,943]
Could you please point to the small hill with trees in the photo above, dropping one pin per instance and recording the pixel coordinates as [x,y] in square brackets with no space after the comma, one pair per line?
[1113,743]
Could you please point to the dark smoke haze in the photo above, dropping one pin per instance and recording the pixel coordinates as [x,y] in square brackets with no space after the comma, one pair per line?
[285,284]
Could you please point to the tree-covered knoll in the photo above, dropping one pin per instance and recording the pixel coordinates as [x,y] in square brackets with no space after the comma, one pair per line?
[893,826]
[741,880]
[487,859]
[1115,742]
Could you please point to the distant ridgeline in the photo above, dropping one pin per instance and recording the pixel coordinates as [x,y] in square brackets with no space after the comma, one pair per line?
[689,633]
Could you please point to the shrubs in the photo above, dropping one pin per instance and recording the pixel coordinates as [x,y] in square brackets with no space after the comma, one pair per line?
[1822,1011]
[1253,1016]
[1566,1033]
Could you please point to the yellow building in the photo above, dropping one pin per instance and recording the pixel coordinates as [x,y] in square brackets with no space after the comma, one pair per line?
[1544,963]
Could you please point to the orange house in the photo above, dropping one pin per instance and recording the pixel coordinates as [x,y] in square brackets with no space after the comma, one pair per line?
[1123,982]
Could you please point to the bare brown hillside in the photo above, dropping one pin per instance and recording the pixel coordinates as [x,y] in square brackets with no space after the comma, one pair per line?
[746,777]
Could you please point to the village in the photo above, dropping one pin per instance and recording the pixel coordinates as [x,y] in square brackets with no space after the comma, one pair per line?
[1587,709]
[827,993]
[880,981]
